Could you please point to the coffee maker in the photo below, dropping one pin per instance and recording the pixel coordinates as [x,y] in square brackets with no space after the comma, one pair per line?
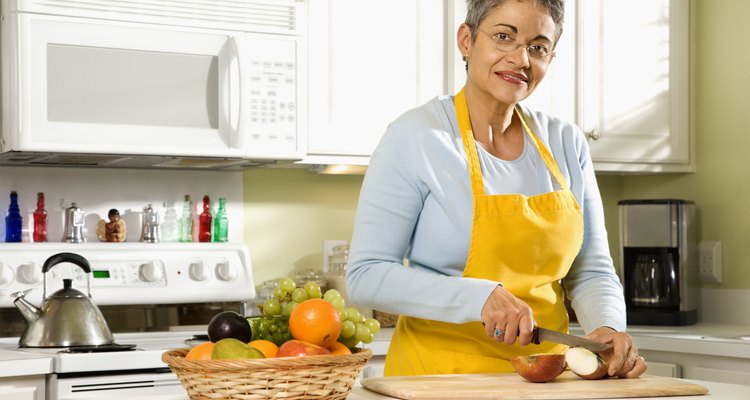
[658,258]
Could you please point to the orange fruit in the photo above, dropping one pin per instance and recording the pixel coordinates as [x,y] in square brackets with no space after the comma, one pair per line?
[339,349]
[315,321]
[267,347]
[201,351]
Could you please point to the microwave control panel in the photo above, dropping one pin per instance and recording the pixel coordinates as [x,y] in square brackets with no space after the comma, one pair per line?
[274,107]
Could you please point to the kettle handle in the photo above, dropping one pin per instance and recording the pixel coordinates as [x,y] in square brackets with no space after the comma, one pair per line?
[66,257]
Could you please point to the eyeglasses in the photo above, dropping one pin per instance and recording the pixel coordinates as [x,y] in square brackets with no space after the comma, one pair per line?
[506,43]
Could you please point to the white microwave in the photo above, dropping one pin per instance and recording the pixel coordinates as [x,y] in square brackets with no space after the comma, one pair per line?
[153,83]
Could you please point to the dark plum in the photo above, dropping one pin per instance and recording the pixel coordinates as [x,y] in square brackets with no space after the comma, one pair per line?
[229,324]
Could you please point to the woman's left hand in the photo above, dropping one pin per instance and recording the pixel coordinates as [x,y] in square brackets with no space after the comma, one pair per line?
[622,358]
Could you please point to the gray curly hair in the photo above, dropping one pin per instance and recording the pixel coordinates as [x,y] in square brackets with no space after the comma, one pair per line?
[477,11]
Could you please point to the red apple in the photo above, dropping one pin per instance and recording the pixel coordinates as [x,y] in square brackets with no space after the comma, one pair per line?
[539,367]
[298,348]
[585,363]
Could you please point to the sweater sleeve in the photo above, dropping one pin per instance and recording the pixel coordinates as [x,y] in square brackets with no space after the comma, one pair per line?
[390,205]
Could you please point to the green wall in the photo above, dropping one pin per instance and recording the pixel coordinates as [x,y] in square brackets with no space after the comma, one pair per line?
[288,213]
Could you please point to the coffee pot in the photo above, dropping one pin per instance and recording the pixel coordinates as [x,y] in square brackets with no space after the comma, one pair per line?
[65,318]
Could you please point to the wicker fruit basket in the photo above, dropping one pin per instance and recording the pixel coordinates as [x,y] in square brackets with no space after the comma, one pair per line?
[290,378]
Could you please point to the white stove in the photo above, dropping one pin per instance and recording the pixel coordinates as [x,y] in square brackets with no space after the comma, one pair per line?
[125,274]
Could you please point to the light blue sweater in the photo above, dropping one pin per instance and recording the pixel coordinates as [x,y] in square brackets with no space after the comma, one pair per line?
[413,225]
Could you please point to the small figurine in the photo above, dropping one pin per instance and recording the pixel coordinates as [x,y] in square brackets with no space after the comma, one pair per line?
[113,231]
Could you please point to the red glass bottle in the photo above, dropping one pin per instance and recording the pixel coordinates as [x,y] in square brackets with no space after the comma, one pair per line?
[40,219]
[204,221]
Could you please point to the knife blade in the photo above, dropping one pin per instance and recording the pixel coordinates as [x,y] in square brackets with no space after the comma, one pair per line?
[541,334]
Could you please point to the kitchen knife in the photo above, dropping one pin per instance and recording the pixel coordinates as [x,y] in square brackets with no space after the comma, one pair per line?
[541,334]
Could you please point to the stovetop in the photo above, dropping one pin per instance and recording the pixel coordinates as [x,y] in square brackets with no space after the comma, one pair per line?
[149,348]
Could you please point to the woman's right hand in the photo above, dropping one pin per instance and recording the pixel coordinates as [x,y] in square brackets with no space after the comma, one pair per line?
[509,316]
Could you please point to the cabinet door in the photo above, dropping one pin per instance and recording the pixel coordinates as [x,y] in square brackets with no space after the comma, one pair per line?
[634,83]
[369,63]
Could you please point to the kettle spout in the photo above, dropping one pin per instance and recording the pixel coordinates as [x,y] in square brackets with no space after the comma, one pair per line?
[30,312]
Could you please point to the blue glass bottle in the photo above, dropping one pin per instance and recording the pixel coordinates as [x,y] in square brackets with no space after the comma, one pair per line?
[13,220]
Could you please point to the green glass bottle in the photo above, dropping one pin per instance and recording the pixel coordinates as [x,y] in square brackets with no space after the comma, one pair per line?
[221,223]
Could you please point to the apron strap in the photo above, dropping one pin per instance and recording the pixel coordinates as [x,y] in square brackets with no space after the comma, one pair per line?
[470,146]
[467,135]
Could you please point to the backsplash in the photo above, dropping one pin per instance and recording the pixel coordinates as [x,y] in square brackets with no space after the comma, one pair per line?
[96,191]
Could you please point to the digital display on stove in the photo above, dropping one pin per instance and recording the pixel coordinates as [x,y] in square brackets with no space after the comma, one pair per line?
[100,273]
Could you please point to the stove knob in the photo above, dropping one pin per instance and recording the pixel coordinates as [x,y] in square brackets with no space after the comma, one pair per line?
[151,272]
[225,271]
[30,273]
[6,275]
[199,272]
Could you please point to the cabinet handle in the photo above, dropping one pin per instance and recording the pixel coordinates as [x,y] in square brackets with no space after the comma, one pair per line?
[593,134]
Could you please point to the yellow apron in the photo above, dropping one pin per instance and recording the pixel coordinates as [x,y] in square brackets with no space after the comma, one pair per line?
[527,243]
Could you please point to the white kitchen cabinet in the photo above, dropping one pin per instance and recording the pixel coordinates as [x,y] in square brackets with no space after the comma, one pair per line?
[698,366]
[23,388]
[634,84]
[369,63]
[622,73]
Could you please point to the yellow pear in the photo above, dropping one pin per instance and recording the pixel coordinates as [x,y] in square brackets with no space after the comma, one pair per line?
[232,349]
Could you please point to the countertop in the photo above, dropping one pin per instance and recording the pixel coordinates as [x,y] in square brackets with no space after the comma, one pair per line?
[17,363]
[723,391]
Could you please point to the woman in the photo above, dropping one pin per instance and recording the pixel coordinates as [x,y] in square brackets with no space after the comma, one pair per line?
[495,207]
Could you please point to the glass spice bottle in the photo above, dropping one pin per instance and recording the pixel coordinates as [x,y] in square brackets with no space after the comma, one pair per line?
[13,220]
[221,223]
[186,221]
[204,221]
[40,219]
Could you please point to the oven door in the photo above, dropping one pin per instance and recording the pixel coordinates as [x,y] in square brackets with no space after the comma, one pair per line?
[110,87]
[151,385]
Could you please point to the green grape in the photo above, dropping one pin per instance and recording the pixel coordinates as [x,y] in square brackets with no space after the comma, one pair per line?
[271,307]
[273,328]
[347,329]
[278,293]
[254,327]
[369,339]
[330,294]
[338,303]
[264,328]
[352,314]
[313,290]
[362,333]
[349,342]
[287,284]
[373,325]
[342,314]
[299,295]
[289,307]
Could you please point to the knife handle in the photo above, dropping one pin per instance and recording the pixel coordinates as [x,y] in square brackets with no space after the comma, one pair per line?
[535,335]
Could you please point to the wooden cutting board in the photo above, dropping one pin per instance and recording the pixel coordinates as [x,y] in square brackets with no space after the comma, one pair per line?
[512,386]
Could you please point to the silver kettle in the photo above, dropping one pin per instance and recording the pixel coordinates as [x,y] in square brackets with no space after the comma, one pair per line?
[67,317]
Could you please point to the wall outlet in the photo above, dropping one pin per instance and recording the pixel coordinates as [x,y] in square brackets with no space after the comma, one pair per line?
[709,261]
[328,246]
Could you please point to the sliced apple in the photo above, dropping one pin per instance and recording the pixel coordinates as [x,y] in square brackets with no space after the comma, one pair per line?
[539,367]
[585,363]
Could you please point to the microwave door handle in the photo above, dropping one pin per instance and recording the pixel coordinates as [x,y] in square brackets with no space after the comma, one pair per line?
[235,108]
